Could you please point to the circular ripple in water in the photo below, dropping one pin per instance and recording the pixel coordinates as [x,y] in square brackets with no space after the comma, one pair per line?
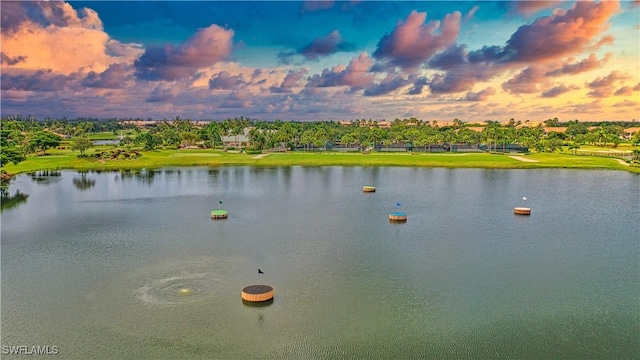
[181,289]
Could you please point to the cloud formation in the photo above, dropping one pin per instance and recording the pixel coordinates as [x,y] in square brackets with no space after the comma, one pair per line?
[558,90]
[530,7]
[57,60]
[325,45]
[114,77]
[52,35]
[41,80]
[223,80]
[482,95]
[356,75]
[551,37]
[527,81]
[290,81]
[587,64]
[6,60]
[390,83]
[413,42]
[603,86]
[19,14]
[205,48]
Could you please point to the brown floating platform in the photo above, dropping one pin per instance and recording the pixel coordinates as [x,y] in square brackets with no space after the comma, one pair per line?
[522,211]
[398,216]
[257,293]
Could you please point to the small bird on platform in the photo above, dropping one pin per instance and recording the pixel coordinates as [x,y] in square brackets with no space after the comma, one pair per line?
[260,271]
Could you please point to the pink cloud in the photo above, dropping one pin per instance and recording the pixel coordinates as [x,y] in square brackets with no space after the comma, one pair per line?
[52,35]
[413,42]
[482,95]
[558,90]
[528,8]
[16,14]
[290,81]
[626,103]
[462,78]
[624,91]
[223,80]
[603,86]
[205,48]
[587,64]
[527,81]
[563,33]
[552,37]
[471,13]
[355,75]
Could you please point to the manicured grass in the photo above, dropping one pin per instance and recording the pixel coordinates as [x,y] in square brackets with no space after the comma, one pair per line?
[65,159]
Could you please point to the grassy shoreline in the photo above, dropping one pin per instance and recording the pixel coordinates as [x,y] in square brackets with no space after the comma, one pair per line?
[155,159]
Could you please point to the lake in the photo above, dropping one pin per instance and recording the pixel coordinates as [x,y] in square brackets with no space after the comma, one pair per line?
[96,264]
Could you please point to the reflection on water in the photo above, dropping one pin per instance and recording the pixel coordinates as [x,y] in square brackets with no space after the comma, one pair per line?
[132,266]
[9,201]
[144,176]
[46,176]
[83,182]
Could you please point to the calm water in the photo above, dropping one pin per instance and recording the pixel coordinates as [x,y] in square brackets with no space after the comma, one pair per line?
[95,264]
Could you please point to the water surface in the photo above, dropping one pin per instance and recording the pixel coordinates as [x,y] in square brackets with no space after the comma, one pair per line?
[97,263]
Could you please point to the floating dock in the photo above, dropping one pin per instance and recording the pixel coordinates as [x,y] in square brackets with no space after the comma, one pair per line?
[369,188]
[522,211]
[257,293]
[219,214]
[398,216]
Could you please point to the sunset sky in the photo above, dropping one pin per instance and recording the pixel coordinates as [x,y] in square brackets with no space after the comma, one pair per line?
[322,60]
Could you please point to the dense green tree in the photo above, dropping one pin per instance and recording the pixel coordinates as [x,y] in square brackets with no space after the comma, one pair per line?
[212,133]
[9,150]
[147,140]
[82,144]
[636,139]
[576,128]
[43,140]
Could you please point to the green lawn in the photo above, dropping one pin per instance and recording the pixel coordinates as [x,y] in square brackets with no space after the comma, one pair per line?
[65,159]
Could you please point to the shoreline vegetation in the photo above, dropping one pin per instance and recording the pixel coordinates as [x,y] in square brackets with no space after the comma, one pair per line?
[157,159]
[30,145]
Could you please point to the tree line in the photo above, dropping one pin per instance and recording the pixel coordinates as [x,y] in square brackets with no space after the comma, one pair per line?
[22,136]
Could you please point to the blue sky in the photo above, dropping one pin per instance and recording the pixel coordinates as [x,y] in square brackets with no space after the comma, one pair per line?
[323,60]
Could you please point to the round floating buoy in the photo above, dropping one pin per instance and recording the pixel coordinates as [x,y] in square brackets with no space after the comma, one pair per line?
[219,214]
[522,211]
[369,188]
[398,216]
[257,293]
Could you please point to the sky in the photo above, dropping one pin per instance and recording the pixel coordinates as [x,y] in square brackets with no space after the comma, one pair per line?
[322,60]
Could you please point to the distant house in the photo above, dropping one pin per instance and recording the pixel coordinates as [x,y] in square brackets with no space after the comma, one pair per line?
[384,124]
[237,141]
[630,132]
